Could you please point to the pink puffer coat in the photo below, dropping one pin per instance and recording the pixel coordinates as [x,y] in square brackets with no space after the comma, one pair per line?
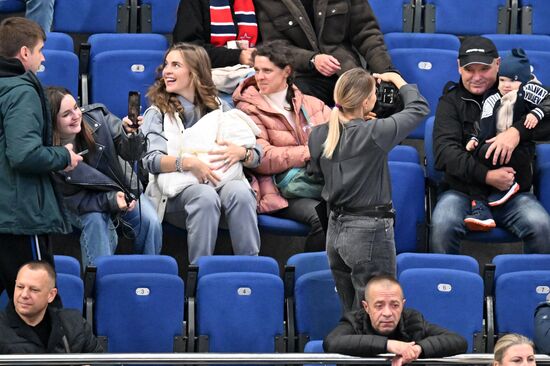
[284,147]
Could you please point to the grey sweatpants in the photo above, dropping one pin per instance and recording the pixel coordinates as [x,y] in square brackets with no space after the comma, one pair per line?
[198,209]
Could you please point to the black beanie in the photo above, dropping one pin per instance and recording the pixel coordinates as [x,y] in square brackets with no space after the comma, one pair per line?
[516,66]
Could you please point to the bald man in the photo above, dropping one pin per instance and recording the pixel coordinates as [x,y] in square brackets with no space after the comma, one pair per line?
[30,325]
[384,326]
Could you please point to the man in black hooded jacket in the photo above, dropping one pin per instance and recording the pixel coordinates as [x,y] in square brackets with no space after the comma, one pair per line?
[384,326]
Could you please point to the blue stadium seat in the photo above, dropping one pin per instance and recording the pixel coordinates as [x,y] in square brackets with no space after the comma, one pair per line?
[543,154]
[404,153]
[59,41]
[517,295]
[67,264]
[236,263]
[534,16]
[430,69]
[408,190]
[433,175]
[11,6]
[508,263]
[279,226]
[308,262]
[234,268]
[539,65]
[422,40]
[317,305]
[158,16]
[3,299]
[449,298]
[128,61]
[308,277]
[433,260]
[448,16]
[119,42]
[504,273]
[127,309]
[529,42]
[59,69]
[394,15]
[128,292]
[135,263]
[84,16]
[314,347]
[542,185]
[240,312]
[71,290]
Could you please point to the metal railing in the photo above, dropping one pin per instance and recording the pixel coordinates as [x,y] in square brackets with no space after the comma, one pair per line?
[233,358]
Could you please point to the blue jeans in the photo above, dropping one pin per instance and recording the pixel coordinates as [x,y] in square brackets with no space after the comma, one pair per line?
[358,247]
[41,11]
[523,215]
[99,236]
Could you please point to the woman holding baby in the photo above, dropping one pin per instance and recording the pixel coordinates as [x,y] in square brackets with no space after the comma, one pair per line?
[181,95]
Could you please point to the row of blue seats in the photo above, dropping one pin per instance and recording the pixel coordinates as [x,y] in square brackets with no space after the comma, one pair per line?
[430,16]
[241,304]
[465,17]
[107,16]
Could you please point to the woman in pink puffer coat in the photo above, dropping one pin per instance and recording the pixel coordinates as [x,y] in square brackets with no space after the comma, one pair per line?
[277,107]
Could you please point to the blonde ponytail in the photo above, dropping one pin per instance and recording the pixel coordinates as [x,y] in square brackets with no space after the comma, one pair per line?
[351,89]
[333,135]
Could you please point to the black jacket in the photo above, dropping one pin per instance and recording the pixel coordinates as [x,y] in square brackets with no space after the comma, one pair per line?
[344,29]
[93,184]
[68,329]
[355,336]
[456,120]
[193,26]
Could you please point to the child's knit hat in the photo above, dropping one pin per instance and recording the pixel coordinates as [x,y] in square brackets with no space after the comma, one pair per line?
[516,66]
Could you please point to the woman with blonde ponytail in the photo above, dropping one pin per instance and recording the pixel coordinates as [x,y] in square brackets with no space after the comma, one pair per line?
[351,153]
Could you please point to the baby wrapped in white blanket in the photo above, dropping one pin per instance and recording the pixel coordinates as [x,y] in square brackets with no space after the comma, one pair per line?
[231,126]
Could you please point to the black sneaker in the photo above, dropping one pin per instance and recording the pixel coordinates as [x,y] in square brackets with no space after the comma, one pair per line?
[480,219]
[500,197]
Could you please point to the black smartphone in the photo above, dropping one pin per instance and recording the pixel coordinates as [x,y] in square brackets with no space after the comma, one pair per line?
[134,107]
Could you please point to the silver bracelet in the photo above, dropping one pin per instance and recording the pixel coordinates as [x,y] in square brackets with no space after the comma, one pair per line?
[179,168]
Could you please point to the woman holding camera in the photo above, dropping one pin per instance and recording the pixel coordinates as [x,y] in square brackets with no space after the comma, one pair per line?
[352,155]
[99,191]
[285,117]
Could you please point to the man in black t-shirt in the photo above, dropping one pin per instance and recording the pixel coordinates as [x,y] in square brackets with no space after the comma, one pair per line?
[30,325]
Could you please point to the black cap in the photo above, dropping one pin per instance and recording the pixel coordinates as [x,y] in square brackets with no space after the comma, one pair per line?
[477,50]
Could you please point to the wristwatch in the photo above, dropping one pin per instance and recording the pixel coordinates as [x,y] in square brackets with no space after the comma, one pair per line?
[246,154]
[312,61]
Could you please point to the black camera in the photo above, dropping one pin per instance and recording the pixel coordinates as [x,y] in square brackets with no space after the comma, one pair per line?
[388,100]
[386,93]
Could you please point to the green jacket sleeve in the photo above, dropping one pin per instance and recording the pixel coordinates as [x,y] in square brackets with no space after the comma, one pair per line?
[24,128]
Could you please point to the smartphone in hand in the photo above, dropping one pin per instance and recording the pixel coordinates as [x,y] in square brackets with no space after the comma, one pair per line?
[134,107]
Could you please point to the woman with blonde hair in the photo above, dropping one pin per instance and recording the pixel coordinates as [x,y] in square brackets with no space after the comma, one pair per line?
[514,349]
[351,153]
[181,95]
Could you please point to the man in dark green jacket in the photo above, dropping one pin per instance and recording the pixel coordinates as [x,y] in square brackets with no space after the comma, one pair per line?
[30,325]
[383,326]
[29,208]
